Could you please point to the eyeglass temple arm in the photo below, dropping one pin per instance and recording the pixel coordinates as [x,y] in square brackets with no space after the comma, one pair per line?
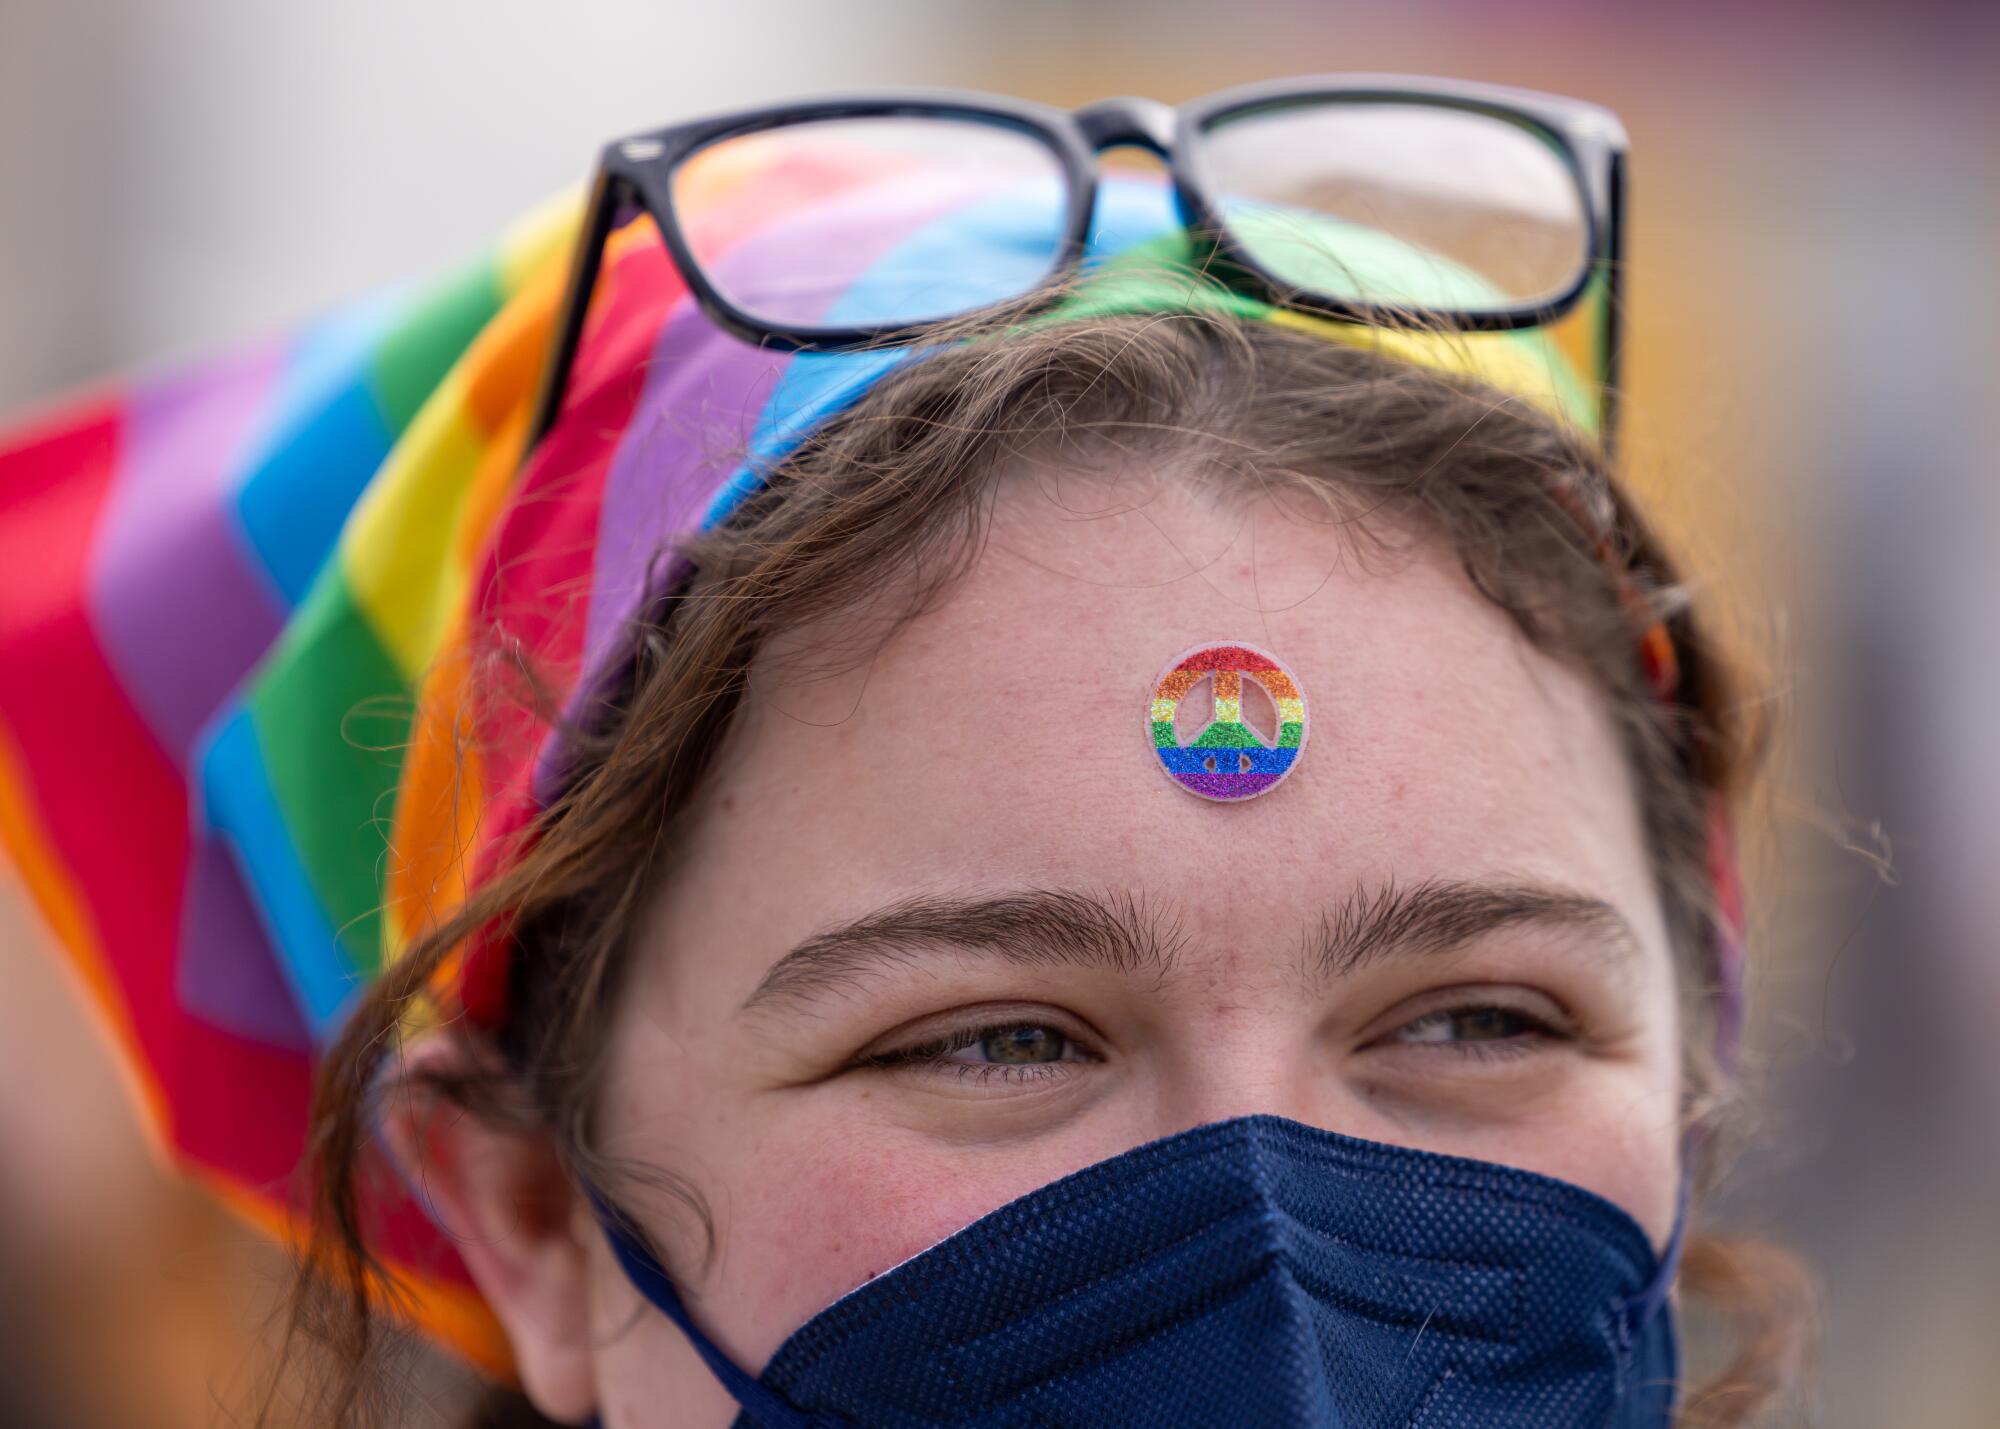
[607,196]
[1611,322]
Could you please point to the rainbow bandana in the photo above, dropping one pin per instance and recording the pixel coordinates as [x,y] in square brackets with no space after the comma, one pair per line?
[248,743]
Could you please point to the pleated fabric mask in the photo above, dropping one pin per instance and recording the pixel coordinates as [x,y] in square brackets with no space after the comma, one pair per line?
[1251,1271]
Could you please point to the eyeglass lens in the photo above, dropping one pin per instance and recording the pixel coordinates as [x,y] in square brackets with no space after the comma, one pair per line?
[881,218]
[911,218]
[1400,204]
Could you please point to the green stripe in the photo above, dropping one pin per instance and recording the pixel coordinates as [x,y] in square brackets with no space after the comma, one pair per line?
[1227,734]
[1159,275]
[1166,274]
[332,718]
[415,355]
[330,708]
[1231,735]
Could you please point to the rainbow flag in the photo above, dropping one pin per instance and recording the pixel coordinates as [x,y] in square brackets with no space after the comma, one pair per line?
[217,593]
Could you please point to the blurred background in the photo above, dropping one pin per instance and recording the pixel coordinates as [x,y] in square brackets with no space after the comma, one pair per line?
[1814,408]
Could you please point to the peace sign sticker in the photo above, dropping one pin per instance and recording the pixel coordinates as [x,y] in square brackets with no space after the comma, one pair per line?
[1228,760]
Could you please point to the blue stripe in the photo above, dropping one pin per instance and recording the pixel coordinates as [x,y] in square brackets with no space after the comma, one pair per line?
[321,448]
[989,250]
[1180,760]
[239,806]
[1130,211]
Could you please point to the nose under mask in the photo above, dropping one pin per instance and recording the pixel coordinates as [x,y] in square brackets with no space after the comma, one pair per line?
[1256,1272]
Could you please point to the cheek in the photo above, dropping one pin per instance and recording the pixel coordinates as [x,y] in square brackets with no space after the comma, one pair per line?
[1618,1136]
[1633,1161]
[821,1213]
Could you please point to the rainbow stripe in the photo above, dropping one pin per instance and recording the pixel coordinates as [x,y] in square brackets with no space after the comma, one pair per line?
[1227,760]
[251,735]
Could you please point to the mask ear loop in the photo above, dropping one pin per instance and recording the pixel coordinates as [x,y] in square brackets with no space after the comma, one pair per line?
[643,1269]
[1640,1309]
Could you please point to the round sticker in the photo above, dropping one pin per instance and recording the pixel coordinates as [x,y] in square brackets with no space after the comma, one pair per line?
[1227,760]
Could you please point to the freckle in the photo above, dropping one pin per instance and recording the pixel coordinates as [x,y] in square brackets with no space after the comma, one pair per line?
[1399,791]
[728,803]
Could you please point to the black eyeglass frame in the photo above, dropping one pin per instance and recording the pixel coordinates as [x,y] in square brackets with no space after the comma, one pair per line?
[637,173]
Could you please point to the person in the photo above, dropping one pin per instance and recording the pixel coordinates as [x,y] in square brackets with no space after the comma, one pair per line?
[1153,851]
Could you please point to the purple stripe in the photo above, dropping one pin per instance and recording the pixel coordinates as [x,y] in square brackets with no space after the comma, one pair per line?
[706,391]
[177,606]
[703,393]
[226,974]
[1226,786]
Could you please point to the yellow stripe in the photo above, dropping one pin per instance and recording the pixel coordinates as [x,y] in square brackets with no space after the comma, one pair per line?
[540,237]
[400,551]
[1498,359]
[395,549]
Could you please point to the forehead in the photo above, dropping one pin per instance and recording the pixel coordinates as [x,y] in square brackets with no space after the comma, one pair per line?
[1000,739]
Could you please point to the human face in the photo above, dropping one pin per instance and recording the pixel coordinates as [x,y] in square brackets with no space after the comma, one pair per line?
[941,931]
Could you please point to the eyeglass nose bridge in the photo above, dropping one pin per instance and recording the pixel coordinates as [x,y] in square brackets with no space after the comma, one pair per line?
[1142,123]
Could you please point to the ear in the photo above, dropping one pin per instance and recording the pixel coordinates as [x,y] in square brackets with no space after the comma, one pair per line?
[504,1197]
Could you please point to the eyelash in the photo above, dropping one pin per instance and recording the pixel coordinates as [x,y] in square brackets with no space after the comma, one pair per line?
[1538,1031]
[935,1054]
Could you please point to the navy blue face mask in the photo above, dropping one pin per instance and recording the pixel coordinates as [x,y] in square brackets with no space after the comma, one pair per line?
[1250,1272]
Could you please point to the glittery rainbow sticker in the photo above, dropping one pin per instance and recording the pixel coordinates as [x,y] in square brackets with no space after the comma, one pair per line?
[1228,760]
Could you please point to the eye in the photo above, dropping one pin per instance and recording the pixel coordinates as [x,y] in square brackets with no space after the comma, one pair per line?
[1017,1046]
[1476,1029]
[1004,1051]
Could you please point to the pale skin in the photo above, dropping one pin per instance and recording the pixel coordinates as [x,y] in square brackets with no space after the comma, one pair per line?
[987,771]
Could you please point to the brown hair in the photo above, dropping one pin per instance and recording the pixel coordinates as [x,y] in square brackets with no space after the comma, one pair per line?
[892,496]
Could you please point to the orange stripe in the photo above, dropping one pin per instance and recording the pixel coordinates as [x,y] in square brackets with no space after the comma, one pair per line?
[1177,684]
[492,482]
[438,799]
[506,358]
[1278,683]
[451,1314]
[438,804]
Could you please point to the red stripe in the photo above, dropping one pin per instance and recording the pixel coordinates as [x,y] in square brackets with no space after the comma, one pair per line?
[534,586]
[1227,657]
[113,808]
[534,582]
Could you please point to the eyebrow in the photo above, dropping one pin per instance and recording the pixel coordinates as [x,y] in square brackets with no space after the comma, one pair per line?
[1441,916]
[1125,934]
[1033,928]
